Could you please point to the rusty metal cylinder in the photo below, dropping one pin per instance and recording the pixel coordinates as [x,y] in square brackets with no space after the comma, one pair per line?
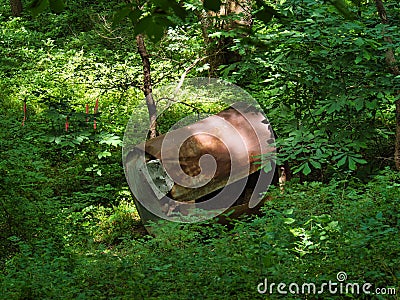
[212,165]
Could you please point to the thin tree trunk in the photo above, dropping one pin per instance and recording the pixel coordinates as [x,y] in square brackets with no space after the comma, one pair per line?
[147,86]
[394,69]
[16,7]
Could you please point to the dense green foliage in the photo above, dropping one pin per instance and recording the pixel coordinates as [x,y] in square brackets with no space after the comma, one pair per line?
[324,84]
[309,234]
[68,225]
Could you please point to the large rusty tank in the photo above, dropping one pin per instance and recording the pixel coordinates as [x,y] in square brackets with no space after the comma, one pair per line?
[212,166]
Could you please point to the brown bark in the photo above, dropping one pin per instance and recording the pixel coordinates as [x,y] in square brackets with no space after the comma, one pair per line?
[212,52]
[147,86]
[397,141]
[217,49]
[394,69]
[16,7]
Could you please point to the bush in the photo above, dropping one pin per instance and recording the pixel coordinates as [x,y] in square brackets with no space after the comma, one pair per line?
[308,234]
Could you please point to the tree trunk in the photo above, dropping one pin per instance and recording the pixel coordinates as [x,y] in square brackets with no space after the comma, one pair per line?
[147,86]
[16,7]
[217,49]
[394,69]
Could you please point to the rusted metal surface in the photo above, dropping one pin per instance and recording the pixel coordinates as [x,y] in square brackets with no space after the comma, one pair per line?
[204,157]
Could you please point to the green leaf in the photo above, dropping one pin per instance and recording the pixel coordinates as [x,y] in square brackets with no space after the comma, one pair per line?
[371,104]
[216,34]
[359,160]
[103,154]
[352,163]
[156,32]
[359,104]
[167,5]
[342,161]
[113,140]
[288,211]
[178,10]
[203,67]
[14,239]
[38,6]
[163,21]
[134,16]
[143,24]
[213,5]
[57,6]
[79,139]
[288,220]
[341,6]
[306,169]
[162,268]
[315,164]
[333,225]
[338,156]
[121,14]
[359,42]
[366,55]
[324,218]
[266,14]
[268,167]
[153,26]
[161,4]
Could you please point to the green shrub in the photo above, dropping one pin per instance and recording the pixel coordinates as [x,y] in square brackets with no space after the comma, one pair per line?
[308,234]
